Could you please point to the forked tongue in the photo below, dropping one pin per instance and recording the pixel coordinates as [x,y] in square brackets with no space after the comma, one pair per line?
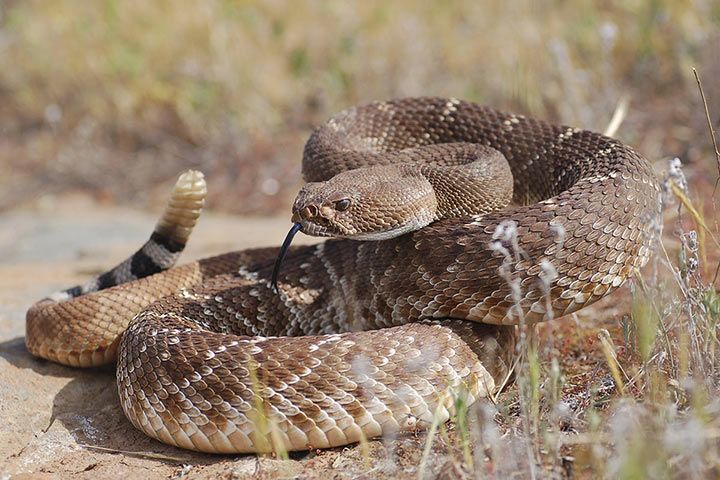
[296,227]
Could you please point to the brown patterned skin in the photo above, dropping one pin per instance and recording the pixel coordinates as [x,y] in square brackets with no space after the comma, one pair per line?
[403,190]
[225,365]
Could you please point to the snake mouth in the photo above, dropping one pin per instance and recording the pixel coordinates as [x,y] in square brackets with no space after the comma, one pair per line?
[296,227]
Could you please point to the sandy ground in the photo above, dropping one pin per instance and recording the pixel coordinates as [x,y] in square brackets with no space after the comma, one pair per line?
[60,422]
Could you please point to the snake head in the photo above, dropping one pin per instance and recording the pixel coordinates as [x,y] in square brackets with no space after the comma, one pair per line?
[373,203]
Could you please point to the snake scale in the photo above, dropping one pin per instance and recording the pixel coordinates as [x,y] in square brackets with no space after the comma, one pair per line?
[363,338]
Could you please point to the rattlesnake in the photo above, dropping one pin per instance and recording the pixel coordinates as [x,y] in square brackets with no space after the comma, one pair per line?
[363,338]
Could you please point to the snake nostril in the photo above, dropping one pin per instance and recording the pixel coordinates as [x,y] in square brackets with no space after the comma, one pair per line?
[309,212]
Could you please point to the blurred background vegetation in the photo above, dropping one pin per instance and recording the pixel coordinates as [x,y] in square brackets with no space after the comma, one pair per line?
[116,97]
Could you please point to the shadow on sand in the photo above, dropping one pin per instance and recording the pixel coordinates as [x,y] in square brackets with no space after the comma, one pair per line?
[89,408]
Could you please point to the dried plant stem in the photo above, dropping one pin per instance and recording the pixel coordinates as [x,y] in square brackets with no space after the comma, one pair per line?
[618,116]
[710,126]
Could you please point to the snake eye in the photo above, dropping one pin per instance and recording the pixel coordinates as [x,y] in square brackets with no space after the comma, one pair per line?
[342,204]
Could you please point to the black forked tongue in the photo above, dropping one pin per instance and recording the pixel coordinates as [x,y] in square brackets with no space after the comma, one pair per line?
[283,250]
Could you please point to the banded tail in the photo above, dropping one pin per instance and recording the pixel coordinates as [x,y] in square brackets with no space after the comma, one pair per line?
[165,245]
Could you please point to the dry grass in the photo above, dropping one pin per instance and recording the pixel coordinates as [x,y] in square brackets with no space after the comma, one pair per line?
[115,96]
[659,416]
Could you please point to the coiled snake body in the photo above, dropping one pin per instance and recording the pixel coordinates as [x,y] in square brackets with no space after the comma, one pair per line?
[364,338]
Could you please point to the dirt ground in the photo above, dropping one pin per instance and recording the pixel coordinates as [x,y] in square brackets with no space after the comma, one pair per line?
[61,422]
